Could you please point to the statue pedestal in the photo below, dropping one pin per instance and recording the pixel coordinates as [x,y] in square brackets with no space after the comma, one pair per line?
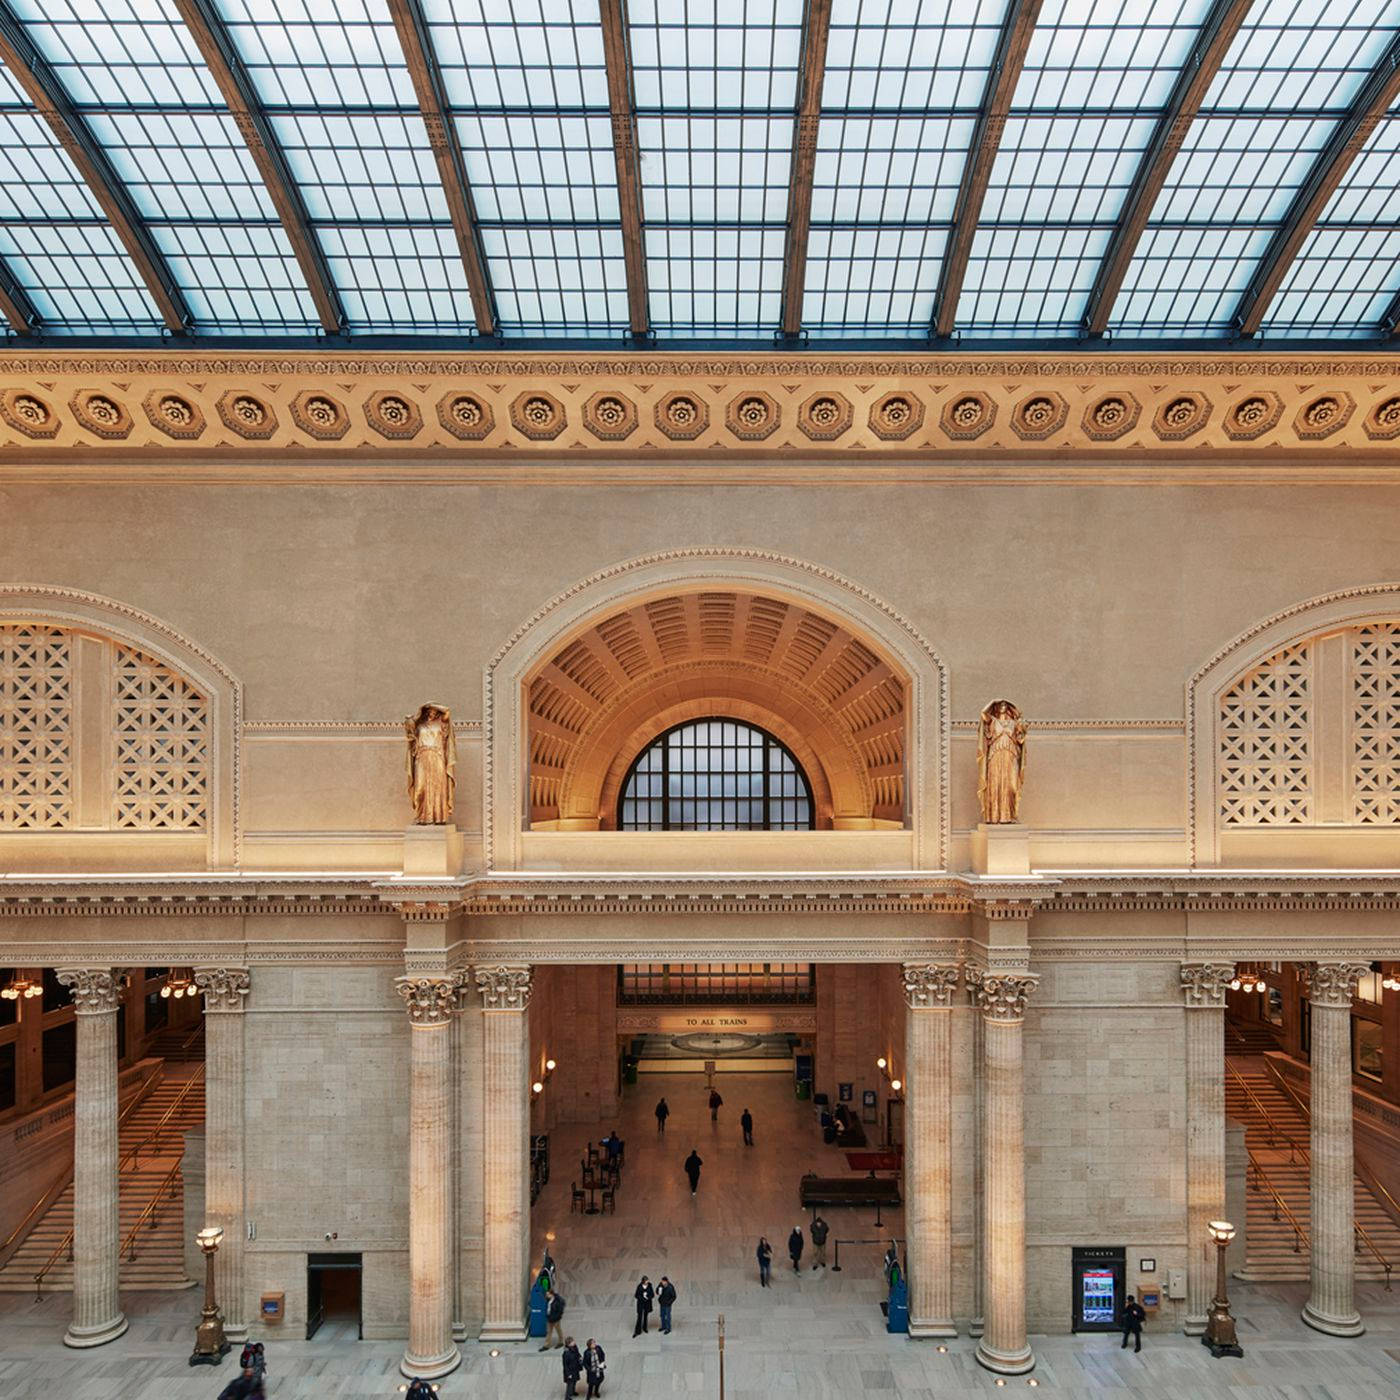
[432,850]
[1003,848]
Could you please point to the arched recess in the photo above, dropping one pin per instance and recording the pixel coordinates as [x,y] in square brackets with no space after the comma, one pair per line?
[136,639]
[836,637]
[1288,728]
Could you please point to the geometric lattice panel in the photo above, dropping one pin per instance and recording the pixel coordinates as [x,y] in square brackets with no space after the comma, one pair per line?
[1375,724]
[161,726]
[1265,762]
[36,729]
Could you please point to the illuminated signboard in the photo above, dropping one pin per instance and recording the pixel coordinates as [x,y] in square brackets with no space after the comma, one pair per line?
[1096,1286]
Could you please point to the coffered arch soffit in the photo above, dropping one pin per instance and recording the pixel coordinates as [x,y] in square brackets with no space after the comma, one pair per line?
[829,668]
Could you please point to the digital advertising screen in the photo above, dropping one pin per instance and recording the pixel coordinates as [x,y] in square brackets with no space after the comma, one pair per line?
[1096,1289]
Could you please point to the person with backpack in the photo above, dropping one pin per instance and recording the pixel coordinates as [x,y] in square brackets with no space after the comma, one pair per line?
[693,1163]
[594,1361]
[665,1298]
[421,1390]
[819,1231]
[554,1315]
[573,1368]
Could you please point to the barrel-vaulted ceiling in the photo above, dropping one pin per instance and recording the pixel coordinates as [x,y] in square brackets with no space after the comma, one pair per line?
[1025,173]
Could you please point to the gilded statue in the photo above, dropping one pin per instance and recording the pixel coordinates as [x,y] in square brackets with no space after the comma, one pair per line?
[1001,762]
[432,764]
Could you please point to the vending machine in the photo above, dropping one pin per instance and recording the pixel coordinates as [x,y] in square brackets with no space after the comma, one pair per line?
[1097,1287]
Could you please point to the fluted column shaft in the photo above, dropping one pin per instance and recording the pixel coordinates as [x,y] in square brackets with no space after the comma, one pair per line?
[505,995]
[928,1147]
[1203,985]
[97,1313]
[225,992]
[1003,1346]
[1331,1307]
[431,1003]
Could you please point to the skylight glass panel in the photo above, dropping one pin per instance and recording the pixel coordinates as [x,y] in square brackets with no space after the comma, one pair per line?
[868,282]
[888,170]
[79,279]
[37,179]
[1342,282]
[709,169]
[1187,280]
[558,281]
[540,166]
[715,281]
[1029,279]
[409,280]
[1367,193]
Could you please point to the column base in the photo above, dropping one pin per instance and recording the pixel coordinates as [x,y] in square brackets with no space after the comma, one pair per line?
[1194,1326]
[976,1326]
[1348,1326]
[96,1336]
[937,1328]
[236,1331]
[430,1368]
[1005,1363]
[460,1333]
[504,1332]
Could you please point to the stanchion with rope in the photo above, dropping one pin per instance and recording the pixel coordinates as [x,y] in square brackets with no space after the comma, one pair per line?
[721,1356]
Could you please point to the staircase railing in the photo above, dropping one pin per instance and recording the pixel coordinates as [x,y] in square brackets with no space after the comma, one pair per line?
[1262,1110]
[65,1246]
[1281,1208]
[150,1213]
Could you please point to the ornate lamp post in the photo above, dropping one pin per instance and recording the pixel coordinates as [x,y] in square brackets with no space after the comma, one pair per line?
[1220,1326]
[210,1344]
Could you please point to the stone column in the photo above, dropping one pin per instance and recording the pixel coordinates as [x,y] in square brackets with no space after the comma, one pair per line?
[505,997]
[1003,1347]
[928,1147]
[1331,1308]
[1203,985]
[431,1002]
[97,1313]
[225,991]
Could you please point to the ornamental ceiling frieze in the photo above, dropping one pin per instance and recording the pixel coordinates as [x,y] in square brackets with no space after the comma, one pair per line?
[899,408]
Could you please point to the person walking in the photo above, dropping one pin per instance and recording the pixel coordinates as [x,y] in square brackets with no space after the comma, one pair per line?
[665,1299]
[573,1368]
[1133,1317]
[644,1295]
[241,1387]
[421,1390]
[693,1163]
[715,1102]
[819,1230]
[663,1112]
[765,1260]
[795,1247]
[594,1361]
[554,1315]
[746,1123]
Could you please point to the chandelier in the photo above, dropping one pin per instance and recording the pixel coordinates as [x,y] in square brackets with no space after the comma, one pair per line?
[1389,978]
[179,982]
[18,987]
[1247,979]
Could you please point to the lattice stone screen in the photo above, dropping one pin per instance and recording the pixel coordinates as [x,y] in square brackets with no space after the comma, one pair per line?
[36,729]
[151,771]
[1311,737]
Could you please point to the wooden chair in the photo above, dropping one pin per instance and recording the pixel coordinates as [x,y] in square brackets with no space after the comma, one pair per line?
[608,1202]
[592,1154]
[576,1198]
[590,1178]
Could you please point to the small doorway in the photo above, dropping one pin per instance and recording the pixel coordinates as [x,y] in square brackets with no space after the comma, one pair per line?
[1097,1288]
[333,1297]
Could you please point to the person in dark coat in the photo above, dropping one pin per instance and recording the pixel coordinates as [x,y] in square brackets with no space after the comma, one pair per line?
[819,1231]
[1133,1318]
[746,1123]
[693,1163]
[715,1102]
[242,1387]
[421,1390]
[573,1368]
[665,1299]
[663,1112]
[795,1247]
[594,1360]
[554,1315]
[765,1259]
[644,1295]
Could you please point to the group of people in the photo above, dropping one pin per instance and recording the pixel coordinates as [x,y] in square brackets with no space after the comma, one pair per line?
[252,1369]
[589,1364]
[662,1295]
[819,1230]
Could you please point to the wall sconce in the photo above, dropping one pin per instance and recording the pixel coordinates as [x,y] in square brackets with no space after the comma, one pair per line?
[178,984]
[882,1063]
[896,1085]
[537,1087]
[20,987]
[548,1068]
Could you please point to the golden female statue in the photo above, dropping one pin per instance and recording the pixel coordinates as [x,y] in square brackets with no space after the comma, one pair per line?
[1001,762]
[432,765]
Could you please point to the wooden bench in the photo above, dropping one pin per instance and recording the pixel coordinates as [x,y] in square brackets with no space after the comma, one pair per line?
[848,1191]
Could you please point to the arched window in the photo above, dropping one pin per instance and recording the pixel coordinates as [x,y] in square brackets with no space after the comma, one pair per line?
[715,775]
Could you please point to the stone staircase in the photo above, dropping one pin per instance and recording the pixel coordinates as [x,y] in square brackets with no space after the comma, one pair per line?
[156,1127]
[1276,1132]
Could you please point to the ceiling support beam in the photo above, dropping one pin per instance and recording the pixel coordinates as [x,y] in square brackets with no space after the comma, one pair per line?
[1390,322]
[816,26]
[412,28]
[222,59]
[18,309]
[1192,83]
[622,103]
[1005,71]
[1328,169]
[34,74]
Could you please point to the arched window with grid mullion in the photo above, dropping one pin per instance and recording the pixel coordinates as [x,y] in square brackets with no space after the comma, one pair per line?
[715,775]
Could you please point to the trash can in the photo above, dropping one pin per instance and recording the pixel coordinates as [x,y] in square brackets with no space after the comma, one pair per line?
[629,1070]
[539,1306]
[897,1310]
[804,1089]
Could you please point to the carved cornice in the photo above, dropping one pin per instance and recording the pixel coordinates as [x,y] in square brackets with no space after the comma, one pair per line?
[94,990]
[504,987]
[1334,983]
[1002,997]
[930,985]
[1204,984]
[224,988]
[430,1001]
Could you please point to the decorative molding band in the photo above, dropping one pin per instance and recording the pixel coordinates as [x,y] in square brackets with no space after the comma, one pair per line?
[1165,726]
[894,407]
[890,948]
[344,728]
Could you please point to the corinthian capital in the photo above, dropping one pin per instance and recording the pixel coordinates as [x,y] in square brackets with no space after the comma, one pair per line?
[94,989]
[431,1001]
[1001,997]
[1334,984]
[504,987]
[224,987]
[930,984]
[1204,984]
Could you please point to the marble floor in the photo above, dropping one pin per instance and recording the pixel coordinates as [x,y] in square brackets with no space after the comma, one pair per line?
[814,1335]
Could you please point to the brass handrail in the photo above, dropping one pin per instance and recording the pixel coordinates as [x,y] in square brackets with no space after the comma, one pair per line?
[155,1134]
[1300,1235]
[1262,1110]
[129,1243]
